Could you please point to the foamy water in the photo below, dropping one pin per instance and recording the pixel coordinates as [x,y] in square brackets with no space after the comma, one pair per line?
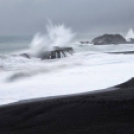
[87,70]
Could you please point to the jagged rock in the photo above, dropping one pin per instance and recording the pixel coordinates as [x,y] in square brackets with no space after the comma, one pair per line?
[25,55]
[109,39]
[58,52]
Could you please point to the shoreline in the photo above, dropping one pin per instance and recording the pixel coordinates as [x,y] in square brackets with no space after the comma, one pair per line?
[109,111]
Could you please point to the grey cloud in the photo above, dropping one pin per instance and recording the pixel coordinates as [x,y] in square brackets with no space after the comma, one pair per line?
[30,16]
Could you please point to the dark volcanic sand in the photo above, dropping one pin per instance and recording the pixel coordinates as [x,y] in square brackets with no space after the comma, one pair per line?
[105,112]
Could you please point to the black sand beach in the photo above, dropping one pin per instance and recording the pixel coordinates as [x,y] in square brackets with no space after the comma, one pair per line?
[110,111]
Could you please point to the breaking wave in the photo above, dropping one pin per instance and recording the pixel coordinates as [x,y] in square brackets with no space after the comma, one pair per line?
[88,69]
[22,67]
[55,36]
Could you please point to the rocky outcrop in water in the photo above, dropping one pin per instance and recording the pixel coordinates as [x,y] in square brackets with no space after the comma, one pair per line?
[25,55]
[109,39]
[84,42]
[58,52]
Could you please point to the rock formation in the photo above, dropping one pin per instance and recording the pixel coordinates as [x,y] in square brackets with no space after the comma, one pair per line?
[58,52]
[109,39]
[25,55]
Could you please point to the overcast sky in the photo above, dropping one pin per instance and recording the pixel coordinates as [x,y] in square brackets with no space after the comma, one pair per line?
[27,17]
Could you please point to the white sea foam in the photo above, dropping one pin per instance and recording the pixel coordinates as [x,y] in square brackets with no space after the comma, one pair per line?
[87,70]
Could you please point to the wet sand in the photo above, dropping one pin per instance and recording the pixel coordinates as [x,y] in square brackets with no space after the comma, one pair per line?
[109,111]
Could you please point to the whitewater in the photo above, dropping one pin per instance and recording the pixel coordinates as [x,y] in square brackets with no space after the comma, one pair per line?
[87,70]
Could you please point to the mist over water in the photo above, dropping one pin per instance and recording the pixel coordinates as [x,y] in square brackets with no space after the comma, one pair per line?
[55,36]
[22,78]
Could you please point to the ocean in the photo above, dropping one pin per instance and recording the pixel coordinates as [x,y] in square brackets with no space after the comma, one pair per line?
[10,44]
[87,70]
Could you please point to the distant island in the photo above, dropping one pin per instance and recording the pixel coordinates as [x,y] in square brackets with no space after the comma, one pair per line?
[108,39]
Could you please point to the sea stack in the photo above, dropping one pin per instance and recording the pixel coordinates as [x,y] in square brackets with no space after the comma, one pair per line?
[108,39]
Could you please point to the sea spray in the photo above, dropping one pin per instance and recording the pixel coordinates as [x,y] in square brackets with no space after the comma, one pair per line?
[20,67]
[60,36]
